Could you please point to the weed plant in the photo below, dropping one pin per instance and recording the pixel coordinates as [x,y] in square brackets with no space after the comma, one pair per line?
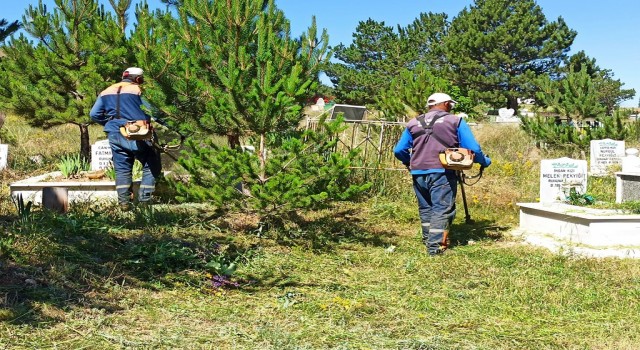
[72,165]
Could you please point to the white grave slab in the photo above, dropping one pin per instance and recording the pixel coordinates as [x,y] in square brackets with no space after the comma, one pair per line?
[100,155]
[558,176]
[4,155]
[605,153]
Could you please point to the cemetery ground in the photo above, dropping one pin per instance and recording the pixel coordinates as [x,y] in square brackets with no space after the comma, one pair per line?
[354,276]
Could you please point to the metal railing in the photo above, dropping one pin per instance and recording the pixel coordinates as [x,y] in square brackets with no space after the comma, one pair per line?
[373,139]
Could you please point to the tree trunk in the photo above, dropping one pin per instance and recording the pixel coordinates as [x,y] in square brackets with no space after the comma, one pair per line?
[513,103]
[85,147]
[233,140]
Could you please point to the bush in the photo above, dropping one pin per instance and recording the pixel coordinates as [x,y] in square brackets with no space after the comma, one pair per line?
[71,165]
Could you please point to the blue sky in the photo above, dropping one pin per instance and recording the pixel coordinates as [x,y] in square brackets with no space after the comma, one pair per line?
[606,33]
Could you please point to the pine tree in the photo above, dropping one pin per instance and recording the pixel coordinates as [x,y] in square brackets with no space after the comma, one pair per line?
[79,49]
[609,91]
[230,68]
[574,96]
[6,28]
[496,48]
[378,53]
[408,92]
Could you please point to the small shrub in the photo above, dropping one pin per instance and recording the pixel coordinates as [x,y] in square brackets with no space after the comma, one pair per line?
[136,172]
[161,257]
[71,165]
[24,209]
[581,199]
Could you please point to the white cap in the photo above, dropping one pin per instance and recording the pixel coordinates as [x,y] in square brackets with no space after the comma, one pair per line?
[132,71]
[439,97]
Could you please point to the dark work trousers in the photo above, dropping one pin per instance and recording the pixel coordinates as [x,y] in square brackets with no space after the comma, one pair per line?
[436,194]
[125,152]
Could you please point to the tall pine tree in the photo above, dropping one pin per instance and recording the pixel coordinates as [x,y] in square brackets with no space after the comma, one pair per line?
[79,49]
[378,53]
[496,49]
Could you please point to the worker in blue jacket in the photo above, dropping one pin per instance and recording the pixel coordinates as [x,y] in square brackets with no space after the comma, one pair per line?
[117,105]
[435,186]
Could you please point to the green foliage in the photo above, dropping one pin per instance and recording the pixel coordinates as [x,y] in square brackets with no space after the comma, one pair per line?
[299,170]
[254,80]
[161,257]
[548,132]
[70,165]
[7,137]
[632,207]
[136,172]
[6,28]
[220,265]
[378,53]
[574,95]
[407,93]
[24,209]
[78,48]
[608,91]
[496,48]
[581,199]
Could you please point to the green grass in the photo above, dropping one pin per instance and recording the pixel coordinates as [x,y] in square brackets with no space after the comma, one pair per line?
[354,276]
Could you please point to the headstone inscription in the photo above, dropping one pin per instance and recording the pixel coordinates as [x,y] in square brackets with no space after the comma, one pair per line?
[559,176]
[4,155]
[100,155]
[605,153]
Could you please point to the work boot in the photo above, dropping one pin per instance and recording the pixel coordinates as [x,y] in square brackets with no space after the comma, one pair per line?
[126,206]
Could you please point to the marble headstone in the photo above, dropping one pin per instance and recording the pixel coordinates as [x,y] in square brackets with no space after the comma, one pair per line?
[558,176]
[100,155]
[605,153]
[4,155]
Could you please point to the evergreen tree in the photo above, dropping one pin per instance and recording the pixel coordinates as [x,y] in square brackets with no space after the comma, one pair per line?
[79,49]
[496,49]
[231,68]
[408,92]
[378,53]
[574,96]
[608,90]
[6,29]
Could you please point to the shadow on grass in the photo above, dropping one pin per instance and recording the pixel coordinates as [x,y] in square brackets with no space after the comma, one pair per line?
[462,234]
[89,257]
[339,226]
[84,258]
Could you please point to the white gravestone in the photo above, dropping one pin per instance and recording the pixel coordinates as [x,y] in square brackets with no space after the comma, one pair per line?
[605,153]
[507,116]
[4,155]
[631,162]
[558,176]
[100,155]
